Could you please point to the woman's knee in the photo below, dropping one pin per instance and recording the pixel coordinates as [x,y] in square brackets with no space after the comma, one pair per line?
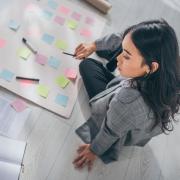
[85,65]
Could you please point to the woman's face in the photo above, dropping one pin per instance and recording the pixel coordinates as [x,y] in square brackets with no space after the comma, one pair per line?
[130,62]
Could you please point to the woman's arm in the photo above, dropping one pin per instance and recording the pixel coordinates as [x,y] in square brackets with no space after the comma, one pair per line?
[105,47]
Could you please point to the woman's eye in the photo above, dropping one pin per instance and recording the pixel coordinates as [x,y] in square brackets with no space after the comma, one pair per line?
[126,57]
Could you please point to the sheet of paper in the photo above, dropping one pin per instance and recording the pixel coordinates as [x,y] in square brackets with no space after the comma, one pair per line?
[2,42]
[19,105]
[61,100]
[72,24]
[61,44]
[70,73]
[52,4]
[14,25]
[62,81]
[64,10]
[54,62]
[11,121]
[76,16]
[41,59]
[59,20]
[11,150]
[49,39]
[24,53]
[9,171]
[43,90]
[6,75]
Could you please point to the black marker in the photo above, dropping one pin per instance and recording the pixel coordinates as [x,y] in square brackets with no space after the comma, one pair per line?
[29,46]
[69,54]
[25,78]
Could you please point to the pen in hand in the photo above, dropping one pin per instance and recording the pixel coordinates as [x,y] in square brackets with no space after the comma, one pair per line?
[73,55]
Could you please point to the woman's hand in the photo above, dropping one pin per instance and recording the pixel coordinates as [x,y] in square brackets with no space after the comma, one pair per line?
[84,50]
[85,157]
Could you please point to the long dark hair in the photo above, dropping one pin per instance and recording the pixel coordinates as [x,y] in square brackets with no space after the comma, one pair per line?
[156,41]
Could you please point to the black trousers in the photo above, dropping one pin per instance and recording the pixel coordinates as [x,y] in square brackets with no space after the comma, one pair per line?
[95,76]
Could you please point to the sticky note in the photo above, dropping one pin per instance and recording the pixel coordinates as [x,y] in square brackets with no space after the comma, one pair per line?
[14,25]
[2,42]
[72,24]
[24,53]
[47,14]
[62,81]
[48,38]
[43,90]
[85,32]
[76,16]
[19,105]
[70,73]
[41,59]
[32,8]
[59,20]
[65,10]
[6,75]
[52,4]
[61,100]
[61,44]
[53,62]
[33,31]
[89,20]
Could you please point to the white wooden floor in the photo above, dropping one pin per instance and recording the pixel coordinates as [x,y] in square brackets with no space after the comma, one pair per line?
[52,143]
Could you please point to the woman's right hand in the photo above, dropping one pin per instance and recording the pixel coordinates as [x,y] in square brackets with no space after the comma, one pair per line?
[84,50]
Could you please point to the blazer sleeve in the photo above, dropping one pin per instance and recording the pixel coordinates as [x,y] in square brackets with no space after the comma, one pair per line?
[109,43]
[115,126]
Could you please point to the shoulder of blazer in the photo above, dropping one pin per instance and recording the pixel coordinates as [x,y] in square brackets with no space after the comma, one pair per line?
[128,95]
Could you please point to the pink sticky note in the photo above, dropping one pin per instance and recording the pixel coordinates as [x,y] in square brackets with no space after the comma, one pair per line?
[64,10]
[19,105]
[41,59]
[70,73]
[89,20]
[59,20]
[76,16]
[86,32]
[33,31]
[2,43]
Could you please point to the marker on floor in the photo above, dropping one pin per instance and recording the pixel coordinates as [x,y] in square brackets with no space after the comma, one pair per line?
[29,45]
[26,78]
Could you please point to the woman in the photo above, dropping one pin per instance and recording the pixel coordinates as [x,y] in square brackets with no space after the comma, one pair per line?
[131,110]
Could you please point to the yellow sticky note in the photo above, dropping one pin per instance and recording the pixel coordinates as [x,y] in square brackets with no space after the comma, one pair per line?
[72,24]
[43,90]
[61,44]
[24,53]
[62,81]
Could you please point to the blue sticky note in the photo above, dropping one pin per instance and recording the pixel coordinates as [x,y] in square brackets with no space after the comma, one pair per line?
[6,75]
[61,100]
[52,4]
[13,25]
[47,14]
[48,38]
[53,62]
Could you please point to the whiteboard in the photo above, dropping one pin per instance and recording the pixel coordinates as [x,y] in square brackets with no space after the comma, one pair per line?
[33,24]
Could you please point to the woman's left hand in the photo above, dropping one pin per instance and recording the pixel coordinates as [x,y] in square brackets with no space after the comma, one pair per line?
[85,157]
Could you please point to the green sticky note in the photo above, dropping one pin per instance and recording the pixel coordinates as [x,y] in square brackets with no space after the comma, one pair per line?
[24,53]
[72,24]
[43,90]
[61,44]
[62,81]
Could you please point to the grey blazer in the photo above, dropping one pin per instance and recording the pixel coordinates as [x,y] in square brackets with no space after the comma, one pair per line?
[119,117]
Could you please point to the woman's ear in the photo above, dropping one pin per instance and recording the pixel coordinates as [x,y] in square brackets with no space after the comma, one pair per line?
[154,66]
